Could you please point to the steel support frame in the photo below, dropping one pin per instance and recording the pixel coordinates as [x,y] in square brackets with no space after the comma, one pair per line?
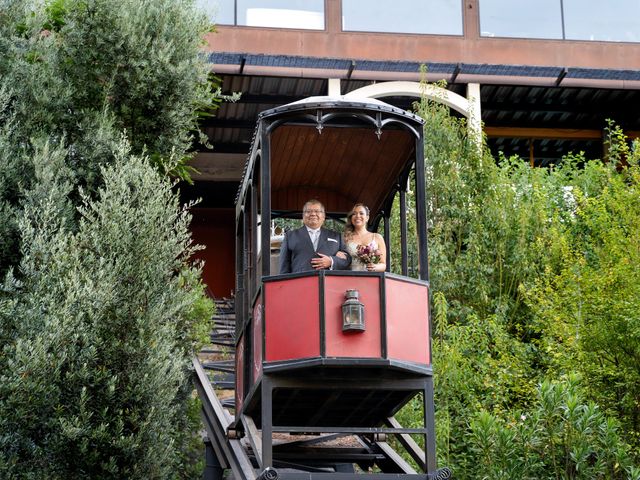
[423,384]
[230,453]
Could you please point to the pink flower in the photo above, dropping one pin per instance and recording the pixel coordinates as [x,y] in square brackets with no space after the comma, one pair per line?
[368,253]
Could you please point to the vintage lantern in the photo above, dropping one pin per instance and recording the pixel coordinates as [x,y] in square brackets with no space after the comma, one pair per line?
[352,312]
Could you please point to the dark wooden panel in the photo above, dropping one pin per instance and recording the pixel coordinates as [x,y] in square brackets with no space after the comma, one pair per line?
[339,166]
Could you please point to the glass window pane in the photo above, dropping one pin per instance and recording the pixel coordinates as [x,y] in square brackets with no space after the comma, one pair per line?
[521,18]
[617,21]
[442,17]
[305,14]
[219,12]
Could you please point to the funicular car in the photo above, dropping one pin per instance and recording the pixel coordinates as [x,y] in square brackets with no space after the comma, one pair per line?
[316,397]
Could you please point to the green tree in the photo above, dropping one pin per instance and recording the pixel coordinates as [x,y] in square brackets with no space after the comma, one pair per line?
[512,251]
[485,215]
[82,72]
[100,328]
[588,300]
[100,309]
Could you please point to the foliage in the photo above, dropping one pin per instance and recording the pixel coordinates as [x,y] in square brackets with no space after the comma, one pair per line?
[93,371]
[140,60]
[100,307]
[80,72]
[480,366]
[532,277]
[10,173]
[563,437]
[484,216]
[588,301]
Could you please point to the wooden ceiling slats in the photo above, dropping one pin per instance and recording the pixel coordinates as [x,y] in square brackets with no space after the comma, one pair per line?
[292,161]
[362,189]
[339,166]
[338,159]
[320,156]
[282,141]
[378,163]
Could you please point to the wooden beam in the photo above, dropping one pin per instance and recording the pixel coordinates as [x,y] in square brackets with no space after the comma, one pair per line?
[218,166]
[413,449]
[543,133]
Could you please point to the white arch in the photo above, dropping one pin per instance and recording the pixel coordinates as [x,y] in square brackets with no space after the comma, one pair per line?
[413,89]
[469,107]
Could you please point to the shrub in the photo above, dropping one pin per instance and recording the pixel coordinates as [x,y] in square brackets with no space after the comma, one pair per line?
[93,375]
[564,436]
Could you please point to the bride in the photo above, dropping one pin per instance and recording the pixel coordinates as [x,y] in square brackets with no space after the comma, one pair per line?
[356,235]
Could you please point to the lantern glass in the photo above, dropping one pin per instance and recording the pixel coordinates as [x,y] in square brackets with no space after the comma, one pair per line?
[352,312]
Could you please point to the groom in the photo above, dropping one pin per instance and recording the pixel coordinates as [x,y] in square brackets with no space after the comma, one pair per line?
[312,247]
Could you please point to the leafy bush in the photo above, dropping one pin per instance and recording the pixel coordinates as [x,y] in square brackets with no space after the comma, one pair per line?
[564,436]
[93,372]
[532,277]
[588,300]
[100,309]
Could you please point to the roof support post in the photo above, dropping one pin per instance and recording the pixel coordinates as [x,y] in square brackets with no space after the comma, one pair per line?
[265,203]
[474,113]
[404,263]
[421,213]
[334,87]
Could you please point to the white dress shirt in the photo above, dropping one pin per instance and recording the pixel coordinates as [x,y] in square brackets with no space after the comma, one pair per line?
[314,234]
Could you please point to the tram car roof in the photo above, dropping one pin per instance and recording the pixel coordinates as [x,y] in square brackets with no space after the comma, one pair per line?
[339,150]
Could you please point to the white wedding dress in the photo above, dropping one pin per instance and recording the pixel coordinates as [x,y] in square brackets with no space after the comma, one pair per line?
[356,263]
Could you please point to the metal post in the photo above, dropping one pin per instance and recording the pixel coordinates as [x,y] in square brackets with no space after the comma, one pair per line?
[387,241]
[265,202]
[429,425]
[212,470]
[267,423]
[421,213]
[403,230]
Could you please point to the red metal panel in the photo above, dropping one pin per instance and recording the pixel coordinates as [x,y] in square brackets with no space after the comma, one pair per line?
[257,340]
[292,319]
[239,374]
[407,321]
[365,344]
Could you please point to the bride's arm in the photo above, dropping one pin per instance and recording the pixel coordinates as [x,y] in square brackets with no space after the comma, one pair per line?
[381,266]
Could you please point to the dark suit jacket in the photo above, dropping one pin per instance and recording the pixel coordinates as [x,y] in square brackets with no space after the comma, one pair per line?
[297,251]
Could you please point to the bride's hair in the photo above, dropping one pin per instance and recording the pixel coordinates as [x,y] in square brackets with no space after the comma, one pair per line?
[349,229]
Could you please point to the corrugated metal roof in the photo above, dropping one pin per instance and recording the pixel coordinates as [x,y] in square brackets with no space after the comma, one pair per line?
[291,61]
[520,106]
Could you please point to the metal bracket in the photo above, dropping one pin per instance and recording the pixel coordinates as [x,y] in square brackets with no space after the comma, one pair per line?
[319,125]
[378,125]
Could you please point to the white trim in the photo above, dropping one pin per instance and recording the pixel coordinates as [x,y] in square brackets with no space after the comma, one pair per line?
[414,89]
[474,116]
[469,107]
[334,87]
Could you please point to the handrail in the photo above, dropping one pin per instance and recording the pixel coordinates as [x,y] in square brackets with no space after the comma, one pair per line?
[230,452]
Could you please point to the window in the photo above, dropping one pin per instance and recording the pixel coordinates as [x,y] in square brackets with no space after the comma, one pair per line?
[596,20]
[521,18]
[442,17]
[305,14]
[617,21]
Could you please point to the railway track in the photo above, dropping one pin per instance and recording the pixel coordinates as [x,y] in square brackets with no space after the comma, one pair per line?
[218,357]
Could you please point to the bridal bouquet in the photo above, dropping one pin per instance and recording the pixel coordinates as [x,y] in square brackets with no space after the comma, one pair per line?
[368,253]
